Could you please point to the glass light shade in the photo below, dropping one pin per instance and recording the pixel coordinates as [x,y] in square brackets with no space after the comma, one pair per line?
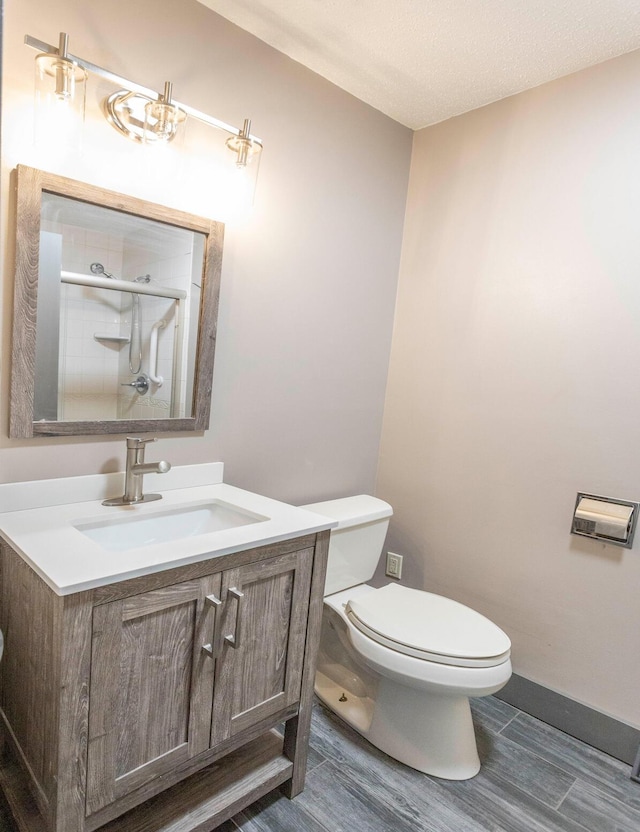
[246,149]
[161,122]
[240,180]
[236,184]
[60,96]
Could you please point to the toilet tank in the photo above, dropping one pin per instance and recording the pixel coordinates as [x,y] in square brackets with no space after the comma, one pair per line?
[356,543]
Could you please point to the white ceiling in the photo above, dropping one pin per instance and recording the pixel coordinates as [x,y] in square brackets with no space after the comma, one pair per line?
[423,61]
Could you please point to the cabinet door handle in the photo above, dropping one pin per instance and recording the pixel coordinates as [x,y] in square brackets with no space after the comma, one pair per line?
[235,640]
[213,648]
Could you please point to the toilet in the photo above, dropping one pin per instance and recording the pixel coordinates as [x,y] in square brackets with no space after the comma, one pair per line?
[400,664]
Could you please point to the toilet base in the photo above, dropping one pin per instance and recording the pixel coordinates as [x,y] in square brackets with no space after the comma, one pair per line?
[441,743]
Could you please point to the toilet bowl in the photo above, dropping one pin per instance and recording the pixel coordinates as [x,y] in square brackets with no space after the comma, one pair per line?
[400,664]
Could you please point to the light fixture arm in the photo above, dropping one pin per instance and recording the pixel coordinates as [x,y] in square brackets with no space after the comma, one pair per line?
[168,92]
[63,69]
[63,46]
[118,80]
[245,133]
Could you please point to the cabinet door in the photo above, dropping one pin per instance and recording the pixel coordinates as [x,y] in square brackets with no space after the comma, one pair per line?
[263,640]
[151,686]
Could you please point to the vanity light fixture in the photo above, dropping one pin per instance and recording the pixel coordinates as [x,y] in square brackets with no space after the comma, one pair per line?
[243,145]
[62,69]
[162,118]
[144,119]
[60,92]
[137,112]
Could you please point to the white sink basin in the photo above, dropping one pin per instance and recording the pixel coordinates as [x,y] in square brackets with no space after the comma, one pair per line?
[124,533]
[62,530]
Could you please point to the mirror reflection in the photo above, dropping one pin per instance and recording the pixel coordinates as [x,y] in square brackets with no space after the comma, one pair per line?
[115,312]
[118,301]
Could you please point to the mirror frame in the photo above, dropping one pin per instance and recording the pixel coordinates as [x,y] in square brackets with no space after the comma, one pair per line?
[29,185]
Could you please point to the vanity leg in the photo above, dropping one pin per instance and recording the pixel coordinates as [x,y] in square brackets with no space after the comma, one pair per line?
[70,760]
[295,749]
[298,729]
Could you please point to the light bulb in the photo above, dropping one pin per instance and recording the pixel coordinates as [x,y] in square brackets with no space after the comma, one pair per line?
[162,118]
[60,93]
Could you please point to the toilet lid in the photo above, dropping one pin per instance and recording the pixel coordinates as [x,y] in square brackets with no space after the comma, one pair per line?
[428,626]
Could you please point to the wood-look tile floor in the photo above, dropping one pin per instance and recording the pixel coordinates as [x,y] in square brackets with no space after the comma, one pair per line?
[533,779]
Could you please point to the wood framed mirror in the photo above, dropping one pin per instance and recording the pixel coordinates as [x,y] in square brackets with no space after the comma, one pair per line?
[115,312]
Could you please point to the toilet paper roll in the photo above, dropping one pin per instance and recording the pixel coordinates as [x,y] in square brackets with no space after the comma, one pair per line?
[600,518]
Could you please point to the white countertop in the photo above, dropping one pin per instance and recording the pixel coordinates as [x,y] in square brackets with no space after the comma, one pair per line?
[69,561]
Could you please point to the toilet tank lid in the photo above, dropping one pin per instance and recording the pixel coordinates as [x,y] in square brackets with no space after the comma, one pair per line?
[352,511]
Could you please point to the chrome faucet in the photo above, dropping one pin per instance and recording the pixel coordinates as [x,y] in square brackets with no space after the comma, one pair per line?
[136,469]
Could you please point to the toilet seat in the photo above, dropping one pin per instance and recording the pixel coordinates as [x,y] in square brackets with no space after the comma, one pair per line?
[428,627]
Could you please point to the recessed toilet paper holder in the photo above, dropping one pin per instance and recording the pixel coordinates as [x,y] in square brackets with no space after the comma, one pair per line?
[606,519]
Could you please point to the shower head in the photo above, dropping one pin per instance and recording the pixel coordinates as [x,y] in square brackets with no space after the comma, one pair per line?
[143,278]
[98,268]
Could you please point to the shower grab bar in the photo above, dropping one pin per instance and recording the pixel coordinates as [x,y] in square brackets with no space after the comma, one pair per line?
[96,282]
[153,353]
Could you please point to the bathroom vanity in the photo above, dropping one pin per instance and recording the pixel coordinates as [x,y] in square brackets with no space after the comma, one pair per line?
[155,684]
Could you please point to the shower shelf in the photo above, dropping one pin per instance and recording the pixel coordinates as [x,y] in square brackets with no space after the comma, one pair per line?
[113,339]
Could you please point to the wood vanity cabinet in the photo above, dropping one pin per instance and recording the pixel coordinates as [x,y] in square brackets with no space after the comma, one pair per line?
[158,696]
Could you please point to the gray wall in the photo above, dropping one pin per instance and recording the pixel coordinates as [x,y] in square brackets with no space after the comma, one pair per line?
[309,284]
[513,378]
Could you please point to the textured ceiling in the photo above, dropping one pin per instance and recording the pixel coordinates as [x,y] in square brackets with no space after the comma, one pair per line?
[423,61]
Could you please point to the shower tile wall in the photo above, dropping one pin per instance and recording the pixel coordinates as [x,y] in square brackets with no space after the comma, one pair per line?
[92,371]
[173,272]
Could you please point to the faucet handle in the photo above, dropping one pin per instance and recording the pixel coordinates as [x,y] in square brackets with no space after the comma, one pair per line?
[137,441]
[141,384]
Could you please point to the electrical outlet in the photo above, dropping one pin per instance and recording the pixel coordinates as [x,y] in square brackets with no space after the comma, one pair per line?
[394,566]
